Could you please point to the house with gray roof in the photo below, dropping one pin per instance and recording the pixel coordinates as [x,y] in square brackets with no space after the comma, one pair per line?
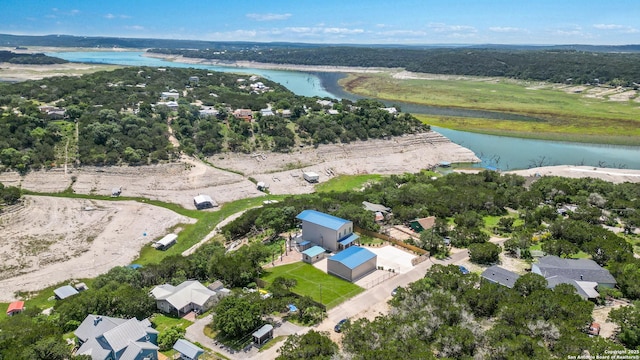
[585,289]
[64,292]
[574,269]
[187,350]
[189,296]
[501,276]
[108,338]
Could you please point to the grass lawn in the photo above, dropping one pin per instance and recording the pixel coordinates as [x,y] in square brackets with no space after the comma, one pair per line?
[321,287]
[163,322]
[555,114]
[346,183]
[190,233]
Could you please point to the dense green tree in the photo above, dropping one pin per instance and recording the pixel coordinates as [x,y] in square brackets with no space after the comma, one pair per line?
[486,253]
[312,345]
[628,318]
[235,316]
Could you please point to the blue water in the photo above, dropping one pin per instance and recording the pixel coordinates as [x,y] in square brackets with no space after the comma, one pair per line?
[501,152]
[300,83]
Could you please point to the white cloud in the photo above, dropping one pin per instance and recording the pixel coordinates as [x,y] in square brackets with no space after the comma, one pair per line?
[323,30]
[506,29]
[74,12]
[232,35]
[135,27]
[268,17]
[445,28]
[408,33]
[619,28]
[112,16]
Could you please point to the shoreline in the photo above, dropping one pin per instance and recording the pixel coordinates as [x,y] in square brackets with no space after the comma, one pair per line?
[269,66]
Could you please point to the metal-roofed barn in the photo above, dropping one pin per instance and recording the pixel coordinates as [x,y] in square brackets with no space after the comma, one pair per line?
[352,264]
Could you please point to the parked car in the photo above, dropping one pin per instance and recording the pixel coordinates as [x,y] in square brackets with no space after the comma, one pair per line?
[394,291]
[463,270]
[338,327]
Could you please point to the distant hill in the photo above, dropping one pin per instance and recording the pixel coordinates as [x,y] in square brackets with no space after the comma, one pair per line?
[110,42]
[32,59]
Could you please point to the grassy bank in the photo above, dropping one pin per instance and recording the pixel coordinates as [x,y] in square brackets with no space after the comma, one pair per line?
[560,113]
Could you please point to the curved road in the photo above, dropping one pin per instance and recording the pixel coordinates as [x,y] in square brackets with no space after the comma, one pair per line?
[351,308]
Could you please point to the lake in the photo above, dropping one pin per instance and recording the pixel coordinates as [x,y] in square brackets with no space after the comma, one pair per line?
[501,152]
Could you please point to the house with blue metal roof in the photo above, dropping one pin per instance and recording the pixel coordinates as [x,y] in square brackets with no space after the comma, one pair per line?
[327,231]
[352,263]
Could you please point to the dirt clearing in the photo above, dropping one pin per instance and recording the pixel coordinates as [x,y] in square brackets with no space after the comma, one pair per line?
[49,240]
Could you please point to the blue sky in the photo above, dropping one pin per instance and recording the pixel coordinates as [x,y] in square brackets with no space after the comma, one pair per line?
[613,22]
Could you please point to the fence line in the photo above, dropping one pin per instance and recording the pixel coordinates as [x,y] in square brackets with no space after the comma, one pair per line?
[390,239]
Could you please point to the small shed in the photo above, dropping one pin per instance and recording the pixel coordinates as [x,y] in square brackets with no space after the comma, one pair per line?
[310,176]
[64,292]
[313,254]
[263,334]
[187,350]
[81,286]
[15,308]
[204,202]
[166,242]
[306,244]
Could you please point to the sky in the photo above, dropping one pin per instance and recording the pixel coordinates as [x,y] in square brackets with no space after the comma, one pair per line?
[535,22]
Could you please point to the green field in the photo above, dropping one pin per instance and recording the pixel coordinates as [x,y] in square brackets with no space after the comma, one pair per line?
[346,183]
[320,286]
[558,114]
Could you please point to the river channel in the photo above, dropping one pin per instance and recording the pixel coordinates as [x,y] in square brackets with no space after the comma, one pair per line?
[501,152]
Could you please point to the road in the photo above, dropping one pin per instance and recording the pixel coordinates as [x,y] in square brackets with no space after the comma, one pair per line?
[352,308]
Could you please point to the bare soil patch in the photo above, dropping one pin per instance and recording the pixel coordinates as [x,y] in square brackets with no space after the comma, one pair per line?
[48,240]
[283,171]
[608,174]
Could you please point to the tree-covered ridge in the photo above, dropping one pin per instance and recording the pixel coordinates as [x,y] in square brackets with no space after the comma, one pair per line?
[579,67]
[462,201]
[31,59]
[456,316]
[122,116]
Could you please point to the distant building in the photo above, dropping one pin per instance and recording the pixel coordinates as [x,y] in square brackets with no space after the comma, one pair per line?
[209,112]
[15,307]
[166,242]
[108,338]
[166,95]
[266,112]
[333,112]
[204,202]
[193,80]
[64,292]
[352,264]
[501,276]
[390,110]
[244,114]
